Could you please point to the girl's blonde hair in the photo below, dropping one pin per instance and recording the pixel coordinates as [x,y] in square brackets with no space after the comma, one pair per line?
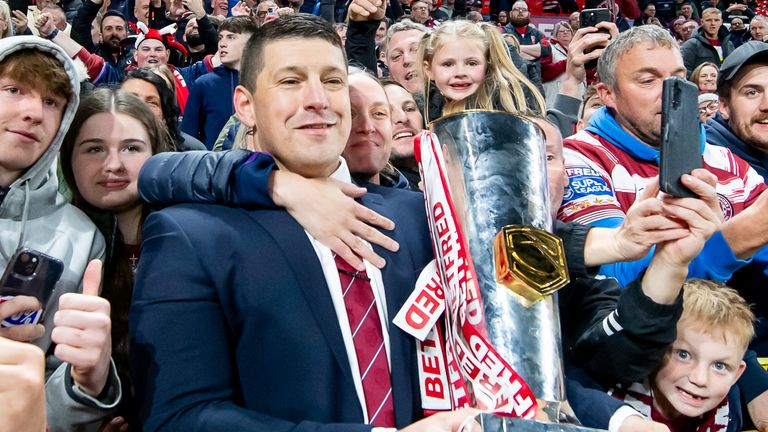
[502,78]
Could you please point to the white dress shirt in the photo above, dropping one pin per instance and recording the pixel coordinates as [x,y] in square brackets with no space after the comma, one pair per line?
[331,273]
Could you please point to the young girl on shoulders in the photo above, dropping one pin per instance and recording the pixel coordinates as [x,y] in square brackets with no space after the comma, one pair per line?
[467,66]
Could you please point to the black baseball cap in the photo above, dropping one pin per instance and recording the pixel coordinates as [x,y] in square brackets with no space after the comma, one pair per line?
[748,53]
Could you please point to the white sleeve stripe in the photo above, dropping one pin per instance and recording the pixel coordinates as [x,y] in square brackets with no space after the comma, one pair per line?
[607,329]
[613,319]
[611,324]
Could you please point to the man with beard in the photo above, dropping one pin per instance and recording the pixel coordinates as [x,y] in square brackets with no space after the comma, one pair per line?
[573,21]
[113,30]
[407,122]
[199,36]
[533,44]
[610,162]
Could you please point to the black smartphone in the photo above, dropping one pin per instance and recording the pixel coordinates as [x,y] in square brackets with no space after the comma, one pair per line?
[30,273]
[680,135]
[19,5]
[590,18]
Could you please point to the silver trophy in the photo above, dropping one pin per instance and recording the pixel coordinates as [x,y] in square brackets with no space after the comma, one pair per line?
[496,167]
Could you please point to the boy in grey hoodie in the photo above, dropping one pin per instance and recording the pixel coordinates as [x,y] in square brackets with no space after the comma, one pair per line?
[38,99]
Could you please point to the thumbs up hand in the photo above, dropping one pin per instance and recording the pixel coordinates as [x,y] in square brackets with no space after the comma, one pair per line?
[82,332]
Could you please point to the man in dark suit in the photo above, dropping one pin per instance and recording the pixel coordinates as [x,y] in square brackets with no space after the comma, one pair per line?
[240,320]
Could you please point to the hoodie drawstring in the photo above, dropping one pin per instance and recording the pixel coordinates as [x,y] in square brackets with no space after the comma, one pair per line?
[24,216]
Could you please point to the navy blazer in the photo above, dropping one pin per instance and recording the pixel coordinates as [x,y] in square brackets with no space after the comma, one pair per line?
[233,327]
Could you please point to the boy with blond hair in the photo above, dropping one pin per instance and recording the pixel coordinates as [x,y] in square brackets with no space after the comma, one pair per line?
[694,387]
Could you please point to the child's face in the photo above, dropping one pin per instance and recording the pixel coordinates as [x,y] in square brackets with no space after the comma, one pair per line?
[458,68]
[696,373]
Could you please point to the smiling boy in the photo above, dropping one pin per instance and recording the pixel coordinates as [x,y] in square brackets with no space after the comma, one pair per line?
[691,390]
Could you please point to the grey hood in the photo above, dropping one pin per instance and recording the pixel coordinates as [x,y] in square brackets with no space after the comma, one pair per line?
[37,180]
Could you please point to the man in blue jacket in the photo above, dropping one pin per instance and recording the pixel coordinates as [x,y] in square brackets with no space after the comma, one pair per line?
[210,97]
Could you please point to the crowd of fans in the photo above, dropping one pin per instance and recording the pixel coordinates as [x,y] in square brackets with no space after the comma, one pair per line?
[207,290]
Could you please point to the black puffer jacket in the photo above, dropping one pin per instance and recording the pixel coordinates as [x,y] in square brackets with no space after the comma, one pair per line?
[698,50]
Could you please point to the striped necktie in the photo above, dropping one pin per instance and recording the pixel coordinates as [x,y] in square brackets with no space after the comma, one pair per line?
[365,323]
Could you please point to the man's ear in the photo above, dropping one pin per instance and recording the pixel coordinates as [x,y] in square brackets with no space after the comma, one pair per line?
[427,70]
[607,95]
[724,109]
[244,107]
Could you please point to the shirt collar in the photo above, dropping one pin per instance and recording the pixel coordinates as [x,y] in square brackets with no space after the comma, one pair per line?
[342,172]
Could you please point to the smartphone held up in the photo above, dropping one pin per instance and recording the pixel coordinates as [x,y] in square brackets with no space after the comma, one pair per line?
[30,273]
[680,135]
[591,18]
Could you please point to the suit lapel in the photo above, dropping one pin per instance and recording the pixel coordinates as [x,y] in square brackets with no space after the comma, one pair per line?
[396,278]
[308,274]
[291,239]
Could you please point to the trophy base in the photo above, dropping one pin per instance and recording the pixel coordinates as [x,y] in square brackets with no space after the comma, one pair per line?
[494,423]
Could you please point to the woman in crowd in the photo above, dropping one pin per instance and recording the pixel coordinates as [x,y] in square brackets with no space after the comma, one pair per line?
[407,123]
[553,69]
[155,91]
[709,103]
[112,135]
[676,28]
[503,19]
[705,76]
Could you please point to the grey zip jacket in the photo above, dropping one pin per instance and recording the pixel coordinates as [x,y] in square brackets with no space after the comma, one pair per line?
[35,215]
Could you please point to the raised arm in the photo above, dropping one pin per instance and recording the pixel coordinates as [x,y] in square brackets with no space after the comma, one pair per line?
[98,70]
[81,25]
[204,26]
[364,18]
[626,344]
[325,208]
